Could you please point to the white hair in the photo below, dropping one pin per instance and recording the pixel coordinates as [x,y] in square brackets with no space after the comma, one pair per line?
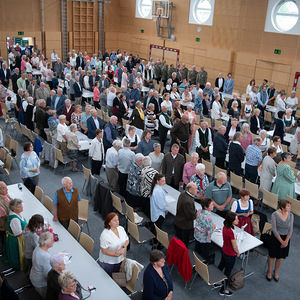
[64,180]
[147,162]
[45,238]
[117,143]
[138,157]
[55,260]
[113,118]
[200,167]
[61,117]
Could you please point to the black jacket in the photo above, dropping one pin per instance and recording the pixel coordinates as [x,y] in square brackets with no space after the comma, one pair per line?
[254,125]
[220,146]
[236,157]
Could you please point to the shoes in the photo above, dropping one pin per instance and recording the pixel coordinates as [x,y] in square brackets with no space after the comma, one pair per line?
[269,279]
[222,292]
[276,279]
[75,170]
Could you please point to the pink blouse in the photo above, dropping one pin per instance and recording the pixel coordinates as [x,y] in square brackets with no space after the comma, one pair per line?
[96,94]
[245,142]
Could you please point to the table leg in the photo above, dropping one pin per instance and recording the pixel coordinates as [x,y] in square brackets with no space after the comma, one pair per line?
[245,264]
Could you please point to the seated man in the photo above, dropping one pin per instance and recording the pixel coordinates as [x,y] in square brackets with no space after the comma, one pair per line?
[220,191]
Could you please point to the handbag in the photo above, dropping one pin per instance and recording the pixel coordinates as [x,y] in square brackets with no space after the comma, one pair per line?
[237,280]
[119,278]
[266,238]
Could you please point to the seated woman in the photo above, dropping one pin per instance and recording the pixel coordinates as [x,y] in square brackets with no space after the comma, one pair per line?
[204,228]
[137,117]
[244,210]
[289,121]
[113,244]
[277,145]
[201,180]
[133,137]
[31,238]
[41,263]
[58,265]
[284,182]
[68,284]
[247,138]
[280,125]
[157,280]
[73,147]
[13,251]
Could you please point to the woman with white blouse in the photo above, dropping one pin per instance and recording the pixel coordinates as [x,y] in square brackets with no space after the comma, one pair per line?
[253,95]
[139,80]
[265,142]
[133,137]
[216,111]
[73,60]
[250,86]
[167,103]
[113,243]
[175,95]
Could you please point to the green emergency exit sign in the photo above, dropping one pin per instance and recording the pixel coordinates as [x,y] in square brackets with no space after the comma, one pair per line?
[277,51]
[142,30]
[197,39]
[20,32]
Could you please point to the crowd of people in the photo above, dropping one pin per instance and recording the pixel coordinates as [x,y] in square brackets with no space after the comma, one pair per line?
[159,103]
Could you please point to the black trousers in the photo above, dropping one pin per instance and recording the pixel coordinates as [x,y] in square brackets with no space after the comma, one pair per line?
[122,180]
[204,249]
[162,139]
[173,185]
[227,262]
[220,162]
[97,104]
[96,166]
[184,235]
[159,223]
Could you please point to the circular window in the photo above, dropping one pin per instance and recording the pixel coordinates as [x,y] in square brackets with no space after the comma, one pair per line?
[145,8]
[285,15]
[202,11]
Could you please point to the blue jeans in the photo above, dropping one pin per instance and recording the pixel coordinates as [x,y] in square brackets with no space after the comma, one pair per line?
[227,262]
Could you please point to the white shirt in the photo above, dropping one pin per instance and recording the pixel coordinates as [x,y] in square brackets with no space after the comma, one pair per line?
[110,241]
[97,150]
[54,57]
[290,102]
[110,98]
[197,140]
[35,61]
[62,129]
[253,95]
[86,82]
[15,224]
[280,106]
[248,89]
[220,82]
[216,109]
[163,122]
[234,205]
[24,105]
[96,122]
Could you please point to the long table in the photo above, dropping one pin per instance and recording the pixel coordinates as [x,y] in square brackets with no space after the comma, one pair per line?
[287,138]
[84,267]
[248,243]
[83,141]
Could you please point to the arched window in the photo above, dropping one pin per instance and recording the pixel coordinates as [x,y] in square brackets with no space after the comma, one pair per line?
[283,16]
[201,12]
[143,9]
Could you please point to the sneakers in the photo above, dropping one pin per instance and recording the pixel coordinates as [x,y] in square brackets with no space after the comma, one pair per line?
[222,292]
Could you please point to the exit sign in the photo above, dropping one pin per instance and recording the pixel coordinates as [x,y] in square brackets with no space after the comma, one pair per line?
[20,32]
[277,51]
[142,30]
[197,39]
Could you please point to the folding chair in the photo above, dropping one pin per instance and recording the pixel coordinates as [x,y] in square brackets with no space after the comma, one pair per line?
[209,170]
[129,289]
[18,128]
[188,158]
[14,150]
[7,168]
[86,242]
[218,124]
[118,204]
[48,203]
[208,120]
[83,210]
[63,159]
[38,193]
[74,229]
[253,188]
[86,174]
[7,141]
[269,199]
[218,170]
[162,237]
[236,181]
[130,215]
[2,155]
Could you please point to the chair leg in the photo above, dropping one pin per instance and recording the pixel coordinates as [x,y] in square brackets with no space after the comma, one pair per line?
[83,185]
[17,163]
[192,281]
[87,225]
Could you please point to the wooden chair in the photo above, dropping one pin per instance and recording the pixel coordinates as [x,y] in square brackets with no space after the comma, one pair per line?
[129,289]
[253,188]
[209,169]
[284,148]
[209,273]
[24,130]
[297,115]
[63,159]
[188,158]
[208,120]
[218,124]
[295,172]
[295,205]
[14,151]
[2,155]
[255,136]
[7,168]
[124,122]
[86,242]
[218,170]
[196,127]
[130,215]
[18,128]
[38,193]
[48,203]
[86,174]
[140,233]
[292,164]
[83,211]
[117,204]
[270,199]
[7,141]
[198,119]
[236,181]
[162,237]
[74,229]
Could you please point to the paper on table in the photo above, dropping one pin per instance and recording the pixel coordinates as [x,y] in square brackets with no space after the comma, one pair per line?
[169,199]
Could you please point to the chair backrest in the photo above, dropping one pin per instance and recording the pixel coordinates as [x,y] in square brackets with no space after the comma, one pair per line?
[116,203]
[129,213]
[209,169]
[201,268]
[86,172]
[130,285]
[74,229]
[133,230]
[48,203]
[267,226]
[17,125]
[208,120]
[292,164]
[38,193]
[86,242]
[2,154]
[124,122]
[196,127]
[14,146]
[255,136]
[295,205]
[236,180]
[198,118]
[24,129]
[8,162]
[270,199]
[162,237]
[218,124]
[253,188]
[83,209]
[218,170]
[284,148]
[268,116]
[59,155]
[7,141]
[188,158]
[295,172]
